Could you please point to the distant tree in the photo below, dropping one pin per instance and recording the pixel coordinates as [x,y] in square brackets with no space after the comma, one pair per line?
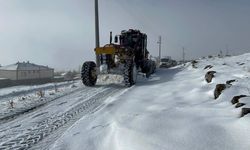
[70,75]
[58,73]
[220,54]
[74,73]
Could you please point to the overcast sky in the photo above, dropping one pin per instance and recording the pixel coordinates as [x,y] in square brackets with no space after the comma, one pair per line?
[60,33]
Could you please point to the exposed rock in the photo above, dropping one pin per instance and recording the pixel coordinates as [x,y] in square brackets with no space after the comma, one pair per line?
[236,99]
[194,62]
[208,67]
[239,105]
[218,90]
[245,111]
[73,86]
[51,93]
[230,81]
[240,64]
[209,76]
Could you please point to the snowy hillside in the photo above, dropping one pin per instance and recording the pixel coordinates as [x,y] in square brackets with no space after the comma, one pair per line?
[175,109]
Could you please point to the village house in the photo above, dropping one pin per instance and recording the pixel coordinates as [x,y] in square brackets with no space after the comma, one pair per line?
[26,71]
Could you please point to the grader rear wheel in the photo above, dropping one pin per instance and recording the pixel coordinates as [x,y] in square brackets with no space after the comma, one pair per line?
[88,73]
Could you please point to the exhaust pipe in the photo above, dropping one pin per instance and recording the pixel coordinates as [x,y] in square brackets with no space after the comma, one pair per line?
[110,41]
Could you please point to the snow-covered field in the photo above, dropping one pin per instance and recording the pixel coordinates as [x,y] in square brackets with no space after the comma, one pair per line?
[35,122]
[173,110]
[15,90]
[19,99]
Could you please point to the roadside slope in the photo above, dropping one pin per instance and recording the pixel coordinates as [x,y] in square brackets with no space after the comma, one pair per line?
[174,109]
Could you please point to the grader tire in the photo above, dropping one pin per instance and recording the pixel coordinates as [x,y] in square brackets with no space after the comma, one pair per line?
[130,74]
[88,73]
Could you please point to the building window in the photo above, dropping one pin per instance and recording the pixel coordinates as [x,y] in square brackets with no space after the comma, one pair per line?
[23,74]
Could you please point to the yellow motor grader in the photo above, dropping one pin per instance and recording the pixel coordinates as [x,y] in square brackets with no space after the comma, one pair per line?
[127,56]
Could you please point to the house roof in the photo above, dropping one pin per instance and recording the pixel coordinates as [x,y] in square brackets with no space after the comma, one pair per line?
[24,66]
[9,67]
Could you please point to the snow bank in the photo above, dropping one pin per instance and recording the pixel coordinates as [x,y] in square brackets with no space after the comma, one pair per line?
[26,98]
[22,89]
[175,109]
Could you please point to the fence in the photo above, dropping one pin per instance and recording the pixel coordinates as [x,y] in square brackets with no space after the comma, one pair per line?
[7,82]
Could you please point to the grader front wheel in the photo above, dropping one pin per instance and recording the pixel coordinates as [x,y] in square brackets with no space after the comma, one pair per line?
[88,73]
[130,73]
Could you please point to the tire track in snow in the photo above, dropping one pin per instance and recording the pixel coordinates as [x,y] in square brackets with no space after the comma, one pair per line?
[28,91]
[8,131]
[48,126]
[13,115]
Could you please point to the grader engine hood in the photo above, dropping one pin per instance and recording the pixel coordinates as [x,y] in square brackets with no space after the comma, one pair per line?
[105,50]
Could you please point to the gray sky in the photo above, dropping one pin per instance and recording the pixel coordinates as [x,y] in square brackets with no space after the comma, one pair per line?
[60,33]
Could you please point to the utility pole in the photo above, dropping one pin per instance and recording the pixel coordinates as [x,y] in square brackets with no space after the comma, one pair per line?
[183,54]
[159,42]
[97,39]
[227,51]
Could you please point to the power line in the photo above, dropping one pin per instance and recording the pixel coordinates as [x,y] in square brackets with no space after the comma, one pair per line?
[227,51]
[183,54]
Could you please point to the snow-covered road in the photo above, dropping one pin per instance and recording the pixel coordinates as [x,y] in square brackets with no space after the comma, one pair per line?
[173,110]
[52,119]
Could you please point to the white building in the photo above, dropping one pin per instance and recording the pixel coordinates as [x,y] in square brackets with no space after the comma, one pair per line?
[26,71]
